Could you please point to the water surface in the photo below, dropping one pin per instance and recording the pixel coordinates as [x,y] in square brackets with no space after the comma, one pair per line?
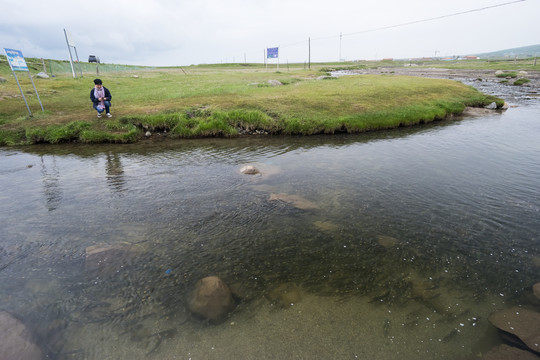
[412,238]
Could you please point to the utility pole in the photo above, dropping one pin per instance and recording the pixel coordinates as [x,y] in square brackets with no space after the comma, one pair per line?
[340,37]
[309,53]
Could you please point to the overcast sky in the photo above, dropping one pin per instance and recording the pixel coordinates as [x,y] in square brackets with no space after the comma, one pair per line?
[180,32]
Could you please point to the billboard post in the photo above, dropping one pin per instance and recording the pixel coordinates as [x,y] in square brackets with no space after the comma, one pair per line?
[17,63]
[71,44]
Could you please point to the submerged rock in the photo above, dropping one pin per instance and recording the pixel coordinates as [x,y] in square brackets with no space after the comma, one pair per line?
[536,291]
[296,201]
[212,299]
[105,259]
[249,170]
[285,295]
[387,241]
[505,352]
[523,323]
[16,340]
[326,226]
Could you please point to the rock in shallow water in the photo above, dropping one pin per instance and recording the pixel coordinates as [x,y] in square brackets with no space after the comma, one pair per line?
[107,259]
[16,341]
[297,201]
[536,290]
[249,170]
[285,295]
[505,352]
[523,323]
[212,299]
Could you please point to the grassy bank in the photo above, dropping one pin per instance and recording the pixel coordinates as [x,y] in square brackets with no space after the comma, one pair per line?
[224,100]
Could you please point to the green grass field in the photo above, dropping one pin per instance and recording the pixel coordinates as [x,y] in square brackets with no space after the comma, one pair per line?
[223,100]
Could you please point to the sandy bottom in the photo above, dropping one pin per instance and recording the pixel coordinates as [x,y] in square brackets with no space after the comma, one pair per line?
[316,327]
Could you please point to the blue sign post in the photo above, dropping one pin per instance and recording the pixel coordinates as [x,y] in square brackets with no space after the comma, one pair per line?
[17,63]
[272,53]
[16,60]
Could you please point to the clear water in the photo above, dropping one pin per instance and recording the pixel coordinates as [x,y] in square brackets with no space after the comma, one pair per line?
[412,239]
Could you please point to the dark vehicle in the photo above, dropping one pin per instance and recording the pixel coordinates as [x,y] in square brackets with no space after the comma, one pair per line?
[93,58]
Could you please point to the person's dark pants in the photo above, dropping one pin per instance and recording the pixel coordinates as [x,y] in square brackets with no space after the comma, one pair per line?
[99,109]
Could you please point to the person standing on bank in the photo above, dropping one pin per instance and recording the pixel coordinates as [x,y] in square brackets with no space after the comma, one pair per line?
[101,98]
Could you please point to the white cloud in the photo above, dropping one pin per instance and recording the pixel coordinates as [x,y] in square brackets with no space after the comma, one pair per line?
[169,32]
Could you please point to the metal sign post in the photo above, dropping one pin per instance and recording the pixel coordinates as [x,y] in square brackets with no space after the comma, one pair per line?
[17,63]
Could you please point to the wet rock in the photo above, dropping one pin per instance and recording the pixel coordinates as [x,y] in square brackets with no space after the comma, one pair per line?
[505,106]
[285,295]
[505,352]
[105,259]
[249,170]
[17,342]
[211,300]
[148,134]
[472,111]
[296,201]
[536,291]
[491,106]
[523,323]
[275,83]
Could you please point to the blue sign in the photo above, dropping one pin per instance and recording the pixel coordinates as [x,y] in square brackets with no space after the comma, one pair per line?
[16,60]
[272,53]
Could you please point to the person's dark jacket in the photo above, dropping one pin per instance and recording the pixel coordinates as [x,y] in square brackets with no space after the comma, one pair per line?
[108,95]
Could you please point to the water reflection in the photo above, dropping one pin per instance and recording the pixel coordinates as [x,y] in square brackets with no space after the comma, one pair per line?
[115,172]
[50,177]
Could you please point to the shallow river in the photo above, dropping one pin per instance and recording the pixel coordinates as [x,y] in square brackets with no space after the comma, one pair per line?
[391,245]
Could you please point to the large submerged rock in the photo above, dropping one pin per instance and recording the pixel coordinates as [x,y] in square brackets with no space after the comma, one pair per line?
[505,352]
[16,340]
[523,323]
[211,300]
[295,200]
[285,295]
[536,290]
[107,259]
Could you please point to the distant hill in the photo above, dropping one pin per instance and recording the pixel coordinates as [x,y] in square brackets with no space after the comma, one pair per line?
[520,52]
